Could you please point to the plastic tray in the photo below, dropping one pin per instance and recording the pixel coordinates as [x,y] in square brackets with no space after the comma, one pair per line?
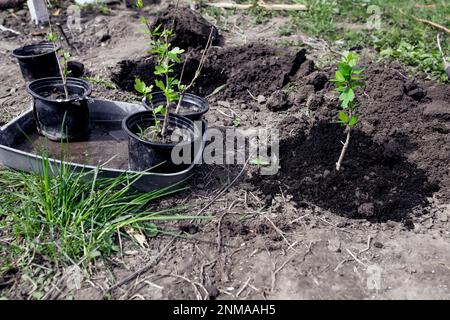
[106,148]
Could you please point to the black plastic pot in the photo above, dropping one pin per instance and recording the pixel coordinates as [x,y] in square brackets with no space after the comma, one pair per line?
[189,100]
[37,61]
[144,155]
[61,119]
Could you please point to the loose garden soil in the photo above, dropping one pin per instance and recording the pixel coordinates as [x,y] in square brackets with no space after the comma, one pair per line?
[295,234]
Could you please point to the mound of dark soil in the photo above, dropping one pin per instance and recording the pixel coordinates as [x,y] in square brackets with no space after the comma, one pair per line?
[398,156]
[375,184]
[190,28]
[256,68]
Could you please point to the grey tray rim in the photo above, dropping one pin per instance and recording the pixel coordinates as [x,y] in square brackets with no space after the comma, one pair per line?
[29,162]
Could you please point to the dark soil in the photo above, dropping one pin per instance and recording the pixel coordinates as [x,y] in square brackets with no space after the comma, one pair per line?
[399,155]
[185,108]
[148,134]
[255,68]
[58,94]
[190,28]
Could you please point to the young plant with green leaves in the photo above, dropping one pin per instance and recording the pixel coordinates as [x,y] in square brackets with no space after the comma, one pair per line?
[347,79]
[167,57]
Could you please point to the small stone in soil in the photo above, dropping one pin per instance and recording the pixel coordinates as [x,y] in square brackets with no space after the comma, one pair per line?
[190,228]
[378,245]
[261,99]
[366,209]
[442,216]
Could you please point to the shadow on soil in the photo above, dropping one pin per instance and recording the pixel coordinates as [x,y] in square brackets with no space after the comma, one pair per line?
[376,182]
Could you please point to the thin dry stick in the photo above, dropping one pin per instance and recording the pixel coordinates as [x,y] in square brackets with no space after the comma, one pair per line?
[198,71]
[152,262]
[440,48]
[3,28]
[434,24]
[197,292]
[277,270]
[369,240]
[278,231]
[243,287]
[356,259]
[61,71]
[230,5]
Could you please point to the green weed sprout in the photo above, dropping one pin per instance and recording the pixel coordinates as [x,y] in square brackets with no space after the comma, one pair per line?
[347,79]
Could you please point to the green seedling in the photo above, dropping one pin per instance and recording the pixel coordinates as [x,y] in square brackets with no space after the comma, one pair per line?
[347,79]
[168,57]
[237,122]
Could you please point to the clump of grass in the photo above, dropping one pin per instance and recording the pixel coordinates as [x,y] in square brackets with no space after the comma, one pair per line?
[71,218]
[319,20]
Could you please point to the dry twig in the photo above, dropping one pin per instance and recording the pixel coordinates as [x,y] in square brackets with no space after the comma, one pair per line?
[434,24]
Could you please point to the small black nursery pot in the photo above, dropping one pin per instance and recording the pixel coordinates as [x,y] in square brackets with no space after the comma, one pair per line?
[37,61]
[144,154]
[192,107]
[58,118]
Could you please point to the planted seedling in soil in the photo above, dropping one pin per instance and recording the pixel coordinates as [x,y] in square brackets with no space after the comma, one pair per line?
[347,79]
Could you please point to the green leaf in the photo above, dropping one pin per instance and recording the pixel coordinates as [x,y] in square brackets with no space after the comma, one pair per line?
[346,97]
[345,70]
[139,86]
[359,71]
[343,117]
[339,76]
[139,4]
[160,84]
[159,70]
[52,37]
[352,59]
[151,230]
[160,109]
[173,54]
[171,95]
[353,121]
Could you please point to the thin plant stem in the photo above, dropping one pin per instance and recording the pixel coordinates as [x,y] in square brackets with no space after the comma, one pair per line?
[197,72]
[344,149]
[61,70]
